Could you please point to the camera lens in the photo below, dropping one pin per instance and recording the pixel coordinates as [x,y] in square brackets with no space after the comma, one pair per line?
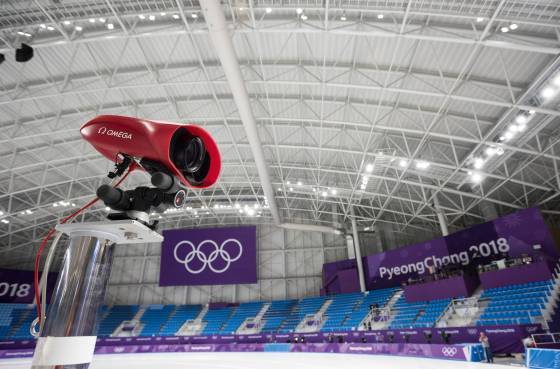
[191,156]
[194,155]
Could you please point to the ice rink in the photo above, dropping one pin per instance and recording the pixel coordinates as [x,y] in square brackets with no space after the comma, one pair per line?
[263,360]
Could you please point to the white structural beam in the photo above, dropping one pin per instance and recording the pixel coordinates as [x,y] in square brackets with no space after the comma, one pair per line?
[357,250]
[441,217]
[350,30]
[310,228]
[223,45]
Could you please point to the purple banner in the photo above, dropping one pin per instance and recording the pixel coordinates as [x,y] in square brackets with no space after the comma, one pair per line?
[523,232]
[16,286]
[454,287]
[449,352]
[209,256]
[524,273]
[503,339]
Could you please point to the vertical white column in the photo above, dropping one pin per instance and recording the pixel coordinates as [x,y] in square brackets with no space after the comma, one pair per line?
[441,217]
[357,251]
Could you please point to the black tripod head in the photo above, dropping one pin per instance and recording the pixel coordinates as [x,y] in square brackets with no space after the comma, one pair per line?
[137,203]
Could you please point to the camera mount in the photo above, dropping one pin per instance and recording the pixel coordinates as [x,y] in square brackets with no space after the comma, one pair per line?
[137,203]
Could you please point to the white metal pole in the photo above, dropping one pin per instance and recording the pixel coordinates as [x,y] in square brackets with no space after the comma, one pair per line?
[357,251]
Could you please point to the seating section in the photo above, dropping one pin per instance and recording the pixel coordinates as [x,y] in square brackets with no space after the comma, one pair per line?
[417,314]
[305,306]
[154,319]
[275,315]
[243,311]
[338,311]
[379,297]
[216,319]
[178,317]
[515,304]
[15,320]
[114,316]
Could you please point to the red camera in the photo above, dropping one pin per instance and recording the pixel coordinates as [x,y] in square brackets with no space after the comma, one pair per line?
[186,152]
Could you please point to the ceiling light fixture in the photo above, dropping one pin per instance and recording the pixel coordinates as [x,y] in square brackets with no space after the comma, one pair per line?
[380,16]
[268,10]
[521,119]
[504,29]
[547,93]
[478,163]
[369,168]
[513,26]
[476,178]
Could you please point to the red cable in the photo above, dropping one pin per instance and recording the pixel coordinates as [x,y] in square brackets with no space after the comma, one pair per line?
[49,235]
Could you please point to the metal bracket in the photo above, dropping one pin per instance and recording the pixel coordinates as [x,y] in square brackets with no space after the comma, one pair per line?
[118,231]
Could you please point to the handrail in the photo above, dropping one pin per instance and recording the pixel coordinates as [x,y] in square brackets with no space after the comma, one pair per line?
[552,334]
[450,305]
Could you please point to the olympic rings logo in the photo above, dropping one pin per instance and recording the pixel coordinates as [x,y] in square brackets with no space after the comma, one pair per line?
[449,351]
[196,254]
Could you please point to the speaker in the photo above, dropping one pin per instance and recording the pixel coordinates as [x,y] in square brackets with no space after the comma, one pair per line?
[2,58]
[24,53]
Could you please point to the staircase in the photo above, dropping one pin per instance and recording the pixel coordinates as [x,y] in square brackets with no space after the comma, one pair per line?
[386,311]
[202,313]
[124,329]
[317,320]
[263,311]
[194,326]
[463,312]
[551,313]
[139,314]
[255,324]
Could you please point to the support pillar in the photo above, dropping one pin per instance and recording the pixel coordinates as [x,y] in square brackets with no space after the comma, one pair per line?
[441,217]
[357,251]
[68,338]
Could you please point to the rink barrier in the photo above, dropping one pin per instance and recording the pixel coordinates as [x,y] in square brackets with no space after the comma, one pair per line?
[537,358]
[503,339]
[467,352]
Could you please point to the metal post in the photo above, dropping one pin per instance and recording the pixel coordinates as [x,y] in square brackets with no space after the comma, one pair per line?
[357,251]
[79,293]
[68,337]
[441,217]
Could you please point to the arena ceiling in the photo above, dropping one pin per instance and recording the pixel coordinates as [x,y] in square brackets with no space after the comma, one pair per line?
[448,100]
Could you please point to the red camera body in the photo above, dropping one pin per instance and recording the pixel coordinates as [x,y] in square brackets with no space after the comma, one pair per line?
[156,147]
